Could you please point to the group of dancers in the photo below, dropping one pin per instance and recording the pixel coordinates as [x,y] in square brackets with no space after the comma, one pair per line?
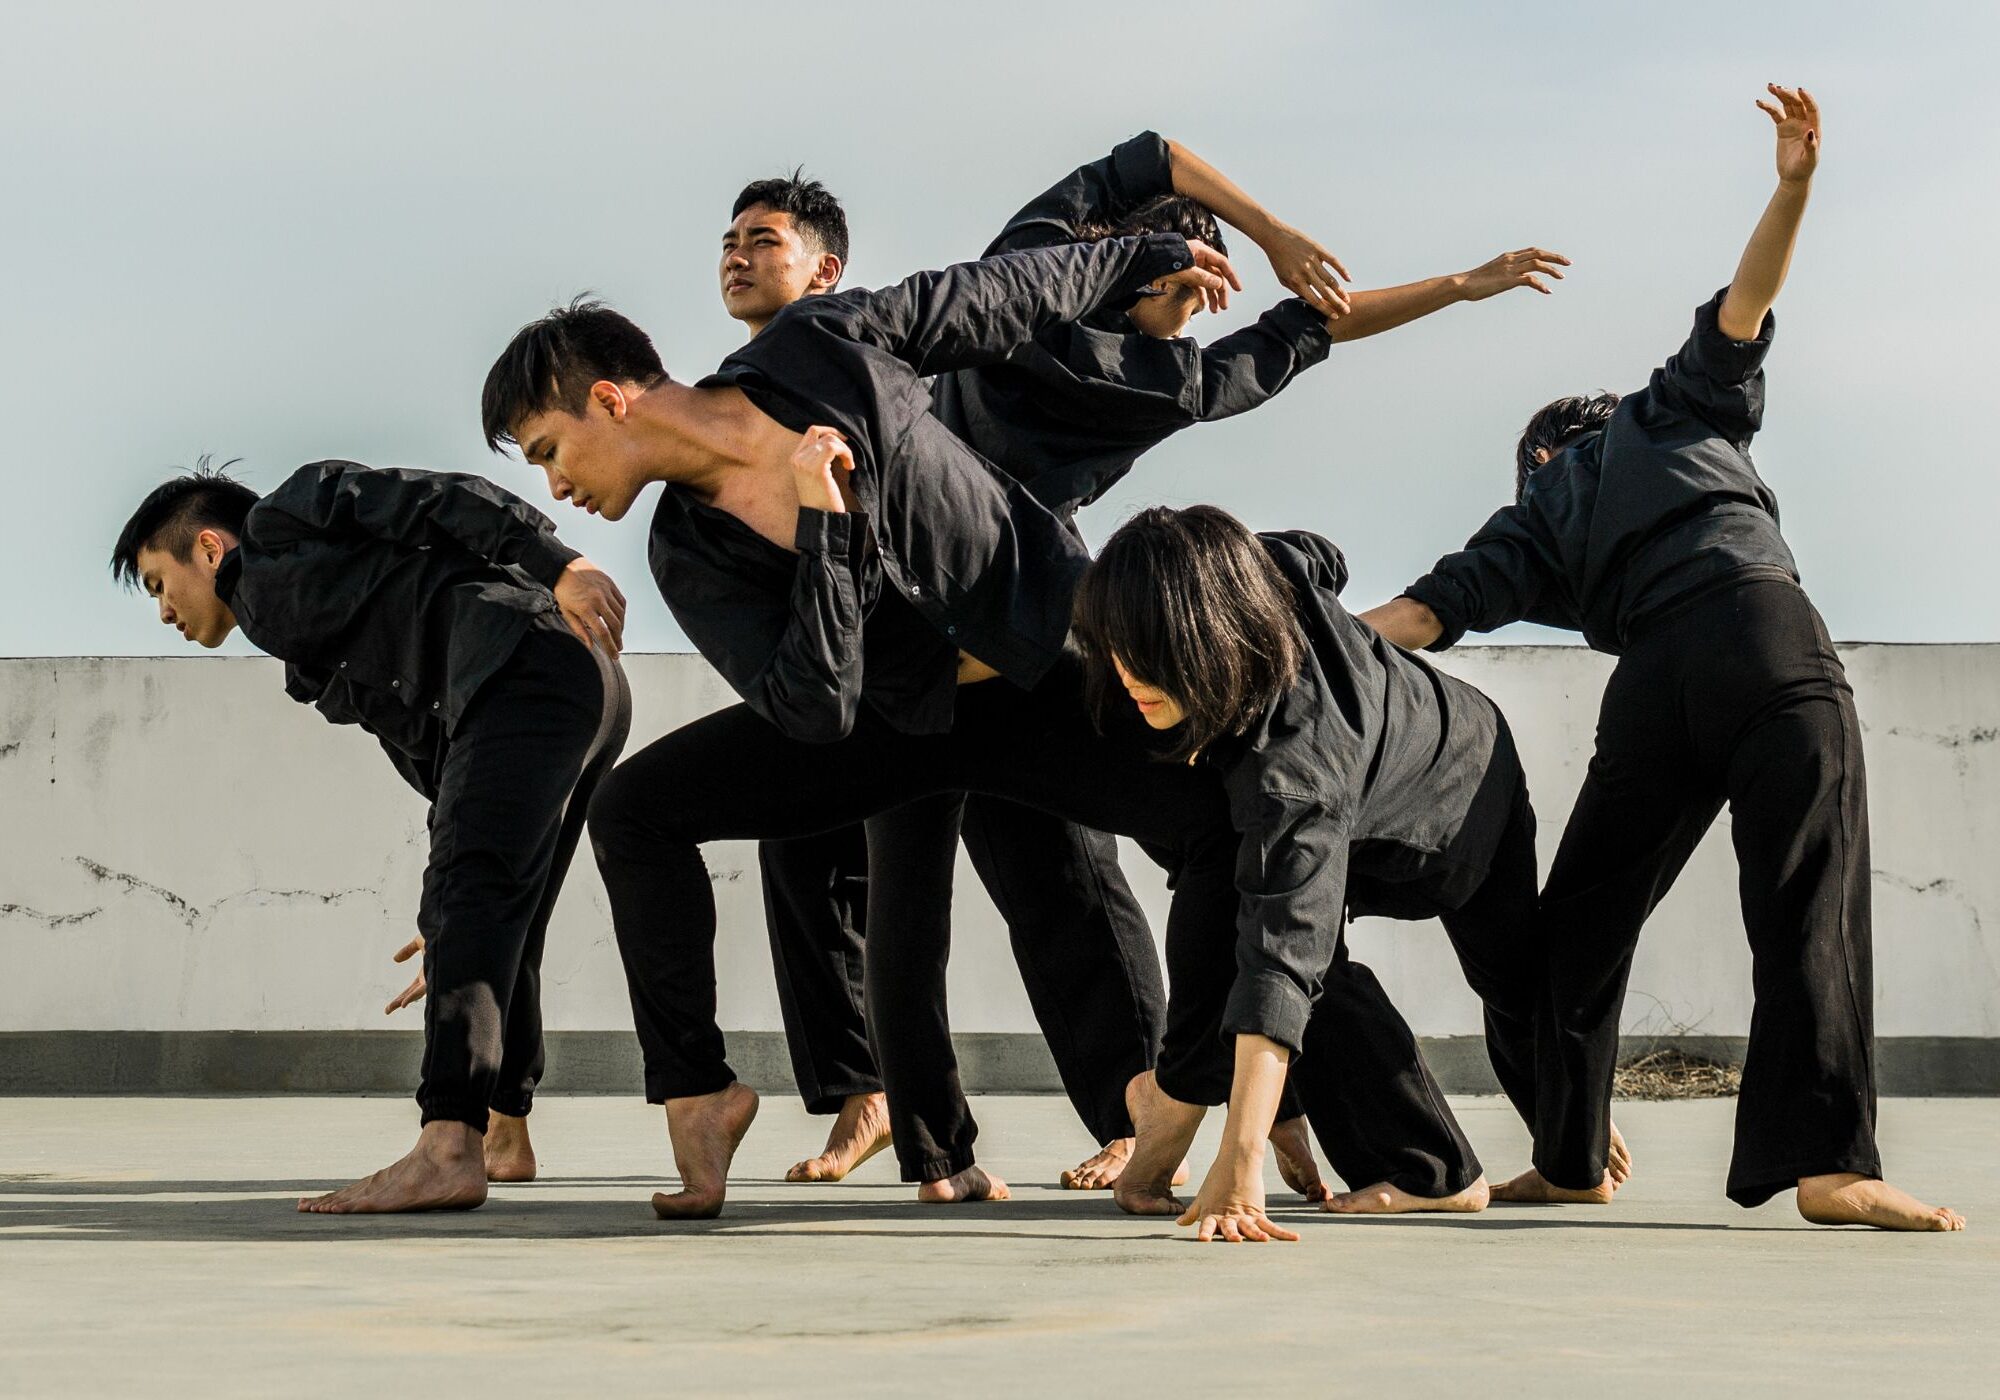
[867,526]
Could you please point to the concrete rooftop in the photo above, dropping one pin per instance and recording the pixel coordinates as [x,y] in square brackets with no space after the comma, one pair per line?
[150,1247]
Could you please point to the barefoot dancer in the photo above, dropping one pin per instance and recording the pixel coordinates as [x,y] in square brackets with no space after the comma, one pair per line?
[1070,414]
[852,585]
[1361,781]
[434,611]
[1642,523]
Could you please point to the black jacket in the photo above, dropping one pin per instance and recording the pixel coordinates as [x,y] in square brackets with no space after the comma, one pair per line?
[391,595]
[1071,412]
[977,563]
[1374,785]
[1660,506]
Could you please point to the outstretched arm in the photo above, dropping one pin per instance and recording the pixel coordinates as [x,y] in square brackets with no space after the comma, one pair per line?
[1405,622]
[1761,273]
[1385,308]
[1304,267]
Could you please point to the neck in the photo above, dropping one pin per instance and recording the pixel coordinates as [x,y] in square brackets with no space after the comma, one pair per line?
[755,325]
[691,437]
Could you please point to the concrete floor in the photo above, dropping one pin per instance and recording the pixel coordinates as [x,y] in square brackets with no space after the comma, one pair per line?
[149,1247]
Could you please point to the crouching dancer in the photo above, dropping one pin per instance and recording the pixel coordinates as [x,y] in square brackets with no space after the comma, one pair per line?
[1642,522]
[1358,780]
[434,611]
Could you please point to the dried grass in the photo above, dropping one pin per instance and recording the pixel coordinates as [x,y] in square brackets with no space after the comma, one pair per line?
[1675,1074]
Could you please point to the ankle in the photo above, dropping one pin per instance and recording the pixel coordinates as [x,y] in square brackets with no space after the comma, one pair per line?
[448,1140]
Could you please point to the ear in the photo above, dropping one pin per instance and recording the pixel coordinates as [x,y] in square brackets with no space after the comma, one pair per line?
[1541,456]
[209,547]
[826,276]
[611,398]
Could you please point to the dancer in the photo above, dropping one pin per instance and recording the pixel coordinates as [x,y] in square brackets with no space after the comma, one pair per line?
[435,612]
[1360,781]
[867,587]
[1641,522]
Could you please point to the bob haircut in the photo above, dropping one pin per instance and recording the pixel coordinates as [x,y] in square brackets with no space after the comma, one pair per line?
[1190,602]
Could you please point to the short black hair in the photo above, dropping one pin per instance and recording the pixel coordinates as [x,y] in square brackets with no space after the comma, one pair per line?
[1191,602]
[1556,425]
[551,363]
[812,206]
[177,511]
[1165,213]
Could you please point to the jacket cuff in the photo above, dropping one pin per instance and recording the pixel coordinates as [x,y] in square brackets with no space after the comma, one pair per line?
[1440,597]
[1159,254]
[545,559]
[1731,361]
[833,533]
[1267,1003]
[1297,320]
[1144,166]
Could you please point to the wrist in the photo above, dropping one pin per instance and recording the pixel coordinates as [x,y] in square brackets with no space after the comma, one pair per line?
[1458,287]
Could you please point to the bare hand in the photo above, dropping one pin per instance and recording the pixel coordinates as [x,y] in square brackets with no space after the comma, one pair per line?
[1231,1204]
[1523,268]
[821,465]
[1798,132]
[1211,275]
[592,606]
[413,993]
[1306,269]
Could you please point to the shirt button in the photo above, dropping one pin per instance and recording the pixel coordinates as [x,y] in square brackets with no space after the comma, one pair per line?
[436,704]
[395,685]
[951,631]
[914,589]
[343,665]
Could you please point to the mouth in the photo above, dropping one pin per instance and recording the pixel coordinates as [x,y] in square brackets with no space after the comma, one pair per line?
[737,284]
[1148,706]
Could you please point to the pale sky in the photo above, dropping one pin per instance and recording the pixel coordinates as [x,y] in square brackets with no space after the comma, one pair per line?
[289,232]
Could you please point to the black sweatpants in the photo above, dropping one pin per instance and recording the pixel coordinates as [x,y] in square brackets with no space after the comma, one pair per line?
[1375,1109]
[733,776]
[1079,937]
[1737,697]
[514,784]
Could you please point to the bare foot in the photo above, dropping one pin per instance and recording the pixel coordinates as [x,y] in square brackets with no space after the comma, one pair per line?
[1292,1145]
[1848,1198]
[1619,1160]
[972,1184]
[1532,1188]
[705,1130]
[1384,1199]
[1166,1129]
[858,1133]
[444,1171]
[509,1154]
[1101,1171]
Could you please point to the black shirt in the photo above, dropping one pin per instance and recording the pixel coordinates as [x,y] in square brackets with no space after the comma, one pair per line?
[1375,785]
[391,595]
[1072,411]
[983,566]
[1662,504]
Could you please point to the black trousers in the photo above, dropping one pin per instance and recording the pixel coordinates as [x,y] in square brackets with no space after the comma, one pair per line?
[733,776]
[1079,937]
[514,783]
[1738,697]
[1373,1104]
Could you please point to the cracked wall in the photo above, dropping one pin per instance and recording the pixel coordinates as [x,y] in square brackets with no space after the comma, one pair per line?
[184,848]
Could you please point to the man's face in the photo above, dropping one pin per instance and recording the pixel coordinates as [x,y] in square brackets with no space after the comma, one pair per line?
[1166,315]
[185,588]
[1156,707]
[767,264]
[590,458]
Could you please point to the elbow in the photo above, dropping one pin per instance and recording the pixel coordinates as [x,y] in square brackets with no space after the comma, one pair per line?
[823,726]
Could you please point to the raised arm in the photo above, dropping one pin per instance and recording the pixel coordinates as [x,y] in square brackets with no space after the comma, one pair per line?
[977,313]
[1100,192]
[1301,264]
[1384,308]
[1766,258]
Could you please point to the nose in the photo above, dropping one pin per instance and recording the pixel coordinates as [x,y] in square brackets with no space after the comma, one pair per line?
[558,488]
[736,261]
[166,612]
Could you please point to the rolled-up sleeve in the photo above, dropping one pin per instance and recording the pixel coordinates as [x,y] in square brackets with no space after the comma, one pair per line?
[1715,379]
[1246,368]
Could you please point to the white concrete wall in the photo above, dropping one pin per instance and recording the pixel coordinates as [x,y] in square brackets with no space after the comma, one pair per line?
[181,847]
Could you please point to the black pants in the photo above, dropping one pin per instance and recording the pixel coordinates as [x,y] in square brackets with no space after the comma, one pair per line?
[732,776]
[1738,698]
[1078,934]
[1374,1107]
[514,783]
